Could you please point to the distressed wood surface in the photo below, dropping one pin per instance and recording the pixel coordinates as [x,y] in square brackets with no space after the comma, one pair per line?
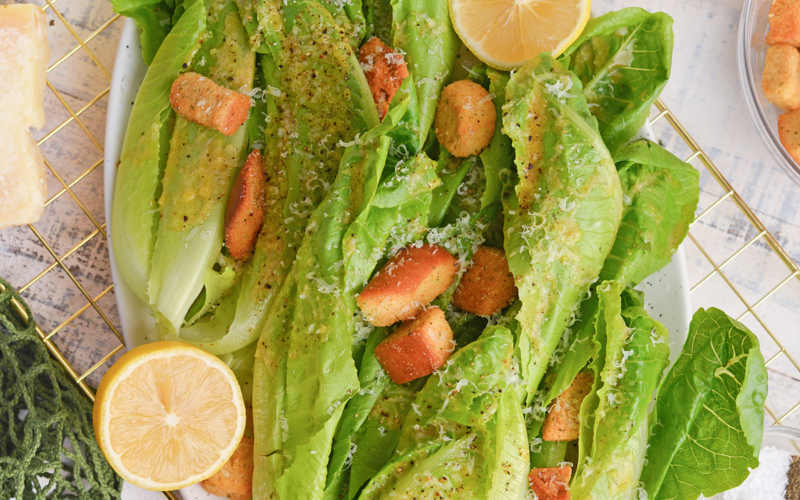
[703,93]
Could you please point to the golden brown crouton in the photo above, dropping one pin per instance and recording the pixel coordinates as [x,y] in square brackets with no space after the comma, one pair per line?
[465,118]
[235,479]
[200,100]
[784,22]
[781,81]
[385,70]
[244,214]
[789,132]
[407,283]
[563,420]
[488,285]
[551,483]
[417,348]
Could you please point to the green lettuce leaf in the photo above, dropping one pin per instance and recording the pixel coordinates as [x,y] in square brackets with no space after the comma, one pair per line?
[623,59]
[660,193]
[144,153]
[199,175]
[215,286]
[423,31]
[563,211]
[319,336]
[708,418]
[155,19]
[634,357]
[297,404]
[465,431]
[378,17]
[498,158]
[372,380]
[296,180]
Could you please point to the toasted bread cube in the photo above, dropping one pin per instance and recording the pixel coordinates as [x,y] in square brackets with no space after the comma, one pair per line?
[781,82]
[385,70]
[789,133]
[563,420]
[465,118]
[784,22]
[244,214]
[407,283]
[235,479]
[200,100]
[417,348]
[551,483]
[488,285]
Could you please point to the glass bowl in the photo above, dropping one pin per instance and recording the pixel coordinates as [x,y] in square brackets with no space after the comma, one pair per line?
[752,48]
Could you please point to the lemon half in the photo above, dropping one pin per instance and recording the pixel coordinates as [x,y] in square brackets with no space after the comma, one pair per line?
[506,33]
[168,415]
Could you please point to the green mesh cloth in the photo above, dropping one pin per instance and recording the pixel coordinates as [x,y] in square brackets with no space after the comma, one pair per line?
[47,443]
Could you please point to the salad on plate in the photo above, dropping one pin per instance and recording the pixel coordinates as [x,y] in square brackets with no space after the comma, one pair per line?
[419,266]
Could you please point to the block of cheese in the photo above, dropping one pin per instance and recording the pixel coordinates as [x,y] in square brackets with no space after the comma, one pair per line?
[23,187]
[24,54]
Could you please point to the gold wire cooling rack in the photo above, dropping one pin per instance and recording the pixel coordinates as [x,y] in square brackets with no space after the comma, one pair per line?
[721,199]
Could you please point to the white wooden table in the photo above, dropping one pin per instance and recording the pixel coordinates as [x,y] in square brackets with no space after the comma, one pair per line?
[703,93]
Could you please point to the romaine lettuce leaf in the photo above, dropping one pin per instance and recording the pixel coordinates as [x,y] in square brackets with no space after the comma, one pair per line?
[297,403]
[378,17]
[144,153]
[562,210]
[660,194]
[708,418]
[319,336]
[199,175]
[423,31]
[635,354]
[465,431]
[303,146]
[155,19]
[623,59]
[498,158]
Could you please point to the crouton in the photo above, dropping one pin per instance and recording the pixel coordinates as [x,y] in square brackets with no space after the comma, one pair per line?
[385,70]
[417,348]
[781,82]
[488,285]
[244,214]
[563,420]
[465,118]
[551,483]
[235,479]
[784,23]
[200,100]
[789,132]
[407,283]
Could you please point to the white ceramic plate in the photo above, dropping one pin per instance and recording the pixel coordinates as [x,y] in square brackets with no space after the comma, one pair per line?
[667,291]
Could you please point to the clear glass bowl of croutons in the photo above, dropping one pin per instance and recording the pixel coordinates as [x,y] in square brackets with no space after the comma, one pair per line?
[779,127]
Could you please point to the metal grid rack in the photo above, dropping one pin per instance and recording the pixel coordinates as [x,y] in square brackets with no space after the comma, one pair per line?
[665,124]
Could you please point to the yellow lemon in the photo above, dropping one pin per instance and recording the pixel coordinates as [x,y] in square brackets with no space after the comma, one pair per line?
[168,415]
[506,33]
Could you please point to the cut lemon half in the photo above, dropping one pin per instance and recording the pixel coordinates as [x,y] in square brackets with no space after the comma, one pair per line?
[168,415]
[506,33]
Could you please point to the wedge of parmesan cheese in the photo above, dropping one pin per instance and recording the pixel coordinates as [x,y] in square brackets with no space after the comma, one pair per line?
[23,186]
[24,54]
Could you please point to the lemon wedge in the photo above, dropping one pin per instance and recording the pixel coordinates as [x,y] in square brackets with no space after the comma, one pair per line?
[168,415]
[506,33]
